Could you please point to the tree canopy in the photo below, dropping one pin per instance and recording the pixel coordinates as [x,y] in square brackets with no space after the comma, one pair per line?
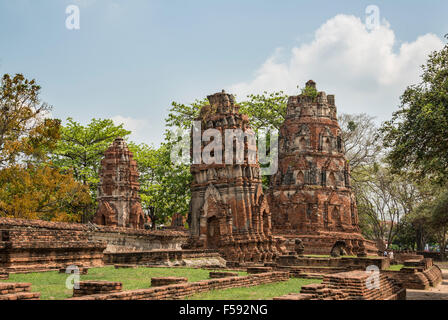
[417,134]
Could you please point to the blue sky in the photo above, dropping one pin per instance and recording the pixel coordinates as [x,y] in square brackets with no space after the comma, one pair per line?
[130,59]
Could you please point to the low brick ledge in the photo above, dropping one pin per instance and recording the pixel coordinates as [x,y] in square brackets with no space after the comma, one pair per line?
[97,287]
[165,281]
[182,290]
[222,274]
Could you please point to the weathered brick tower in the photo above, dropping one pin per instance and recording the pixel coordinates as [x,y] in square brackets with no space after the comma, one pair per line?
[228,210]
[310,196]
[118,199]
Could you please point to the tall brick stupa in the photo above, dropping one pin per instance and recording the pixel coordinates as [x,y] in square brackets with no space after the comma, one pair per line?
[310,196]
[228,210]
[118,199]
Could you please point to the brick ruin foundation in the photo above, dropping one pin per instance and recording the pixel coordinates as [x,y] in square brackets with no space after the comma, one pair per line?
[182,290]
[187,258]
[420,274]
[350,285]
[228,210]
[311,197]
[96,287]
[17,291]
[118,198]
[36,245]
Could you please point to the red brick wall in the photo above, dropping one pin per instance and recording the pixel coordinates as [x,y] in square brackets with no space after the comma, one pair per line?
[180,291]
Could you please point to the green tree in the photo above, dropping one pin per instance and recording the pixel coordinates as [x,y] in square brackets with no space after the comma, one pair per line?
[439,220]
[267,110]
[25,129]
[418,132]
[163,184]
[30,186]
[41,192]
[81,148]
[384,199]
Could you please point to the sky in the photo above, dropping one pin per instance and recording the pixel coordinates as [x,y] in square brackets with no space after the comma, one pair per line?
[130,59]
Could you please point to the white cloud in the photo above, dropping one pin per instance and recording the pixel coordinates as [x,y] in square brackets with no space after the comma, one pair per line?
[136,126]
[366,70]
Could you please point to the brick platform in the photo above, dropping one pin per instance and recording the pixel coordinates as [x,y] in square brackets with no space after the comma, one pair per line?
[17,291]
[164,257]
[349,263]
[350,285]
[255,270]
[125,266]
[97,287]
[218,274]
[180,291]
[417,274]
[165,281]
[4,276]
[34,245]
[82,270]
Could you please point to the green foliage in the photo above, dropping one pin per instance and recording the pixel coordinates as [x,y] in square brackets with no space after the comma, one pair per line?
[164,185]
[310,91]
[182,115]
[417,133]
[80,150]
[384,199]
[25,130]
[31,187]
[41,192]
[267,110]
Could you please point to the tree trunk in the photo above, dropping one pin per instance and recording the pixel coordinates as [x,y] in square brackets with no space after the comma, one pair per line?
[420,239]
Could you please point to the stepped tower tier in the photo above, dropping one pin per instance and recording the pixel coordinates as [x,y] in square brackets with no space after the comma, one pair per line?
[118,193]
[228,210]
[310,196]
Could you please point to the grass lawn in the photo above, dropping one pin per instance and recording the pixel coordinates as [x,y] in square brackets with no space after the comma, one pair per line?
[395,267]
[261,292]
[51,285]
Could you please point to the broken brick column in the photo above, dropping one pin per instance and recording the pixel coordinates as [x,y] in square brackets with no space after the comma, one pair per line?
[228,211]
[311,196]
[118,199]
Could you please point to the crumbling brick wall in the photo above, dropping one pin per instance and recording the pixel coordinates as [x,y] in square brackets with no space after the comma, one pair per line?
[17,291]
[97,287]
[352,285]
[35,245]
[180,291]
[417,274]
